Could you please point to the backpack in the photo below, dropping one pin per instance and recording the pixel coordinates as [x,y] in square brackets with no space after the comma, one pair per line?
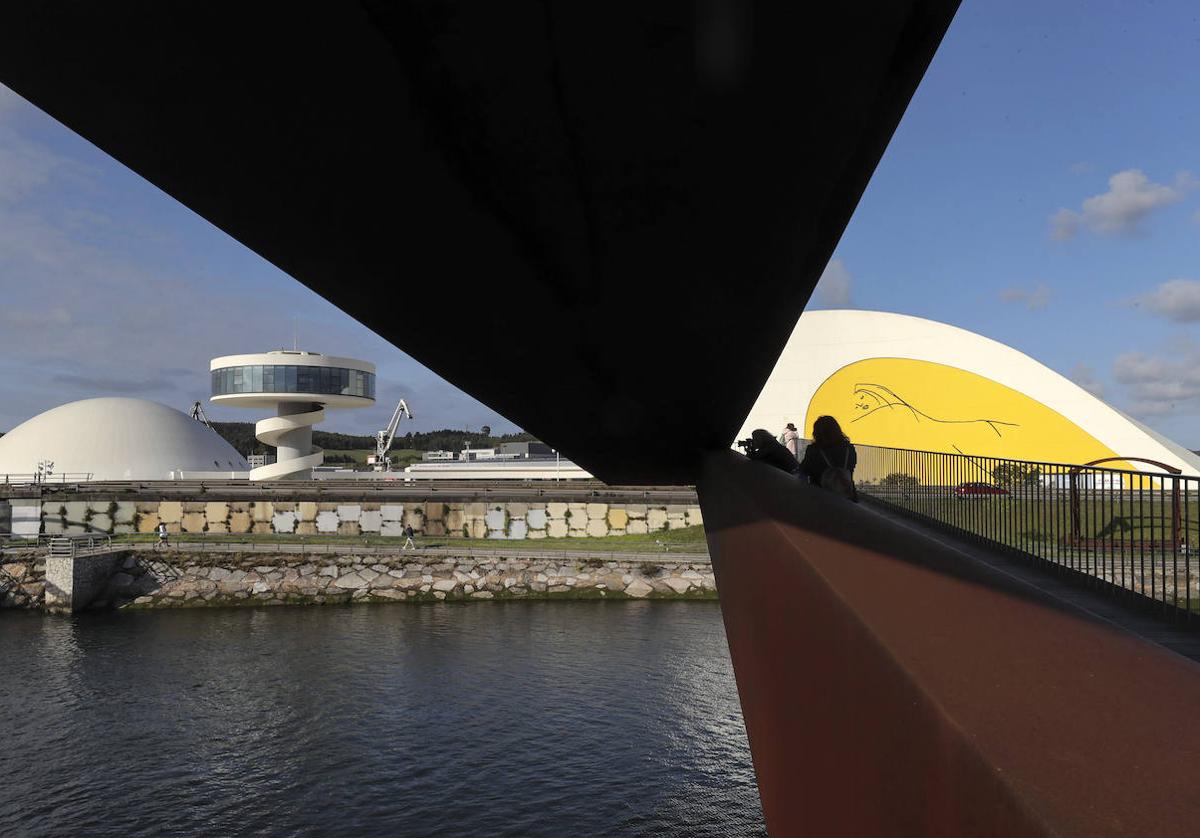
[837,479]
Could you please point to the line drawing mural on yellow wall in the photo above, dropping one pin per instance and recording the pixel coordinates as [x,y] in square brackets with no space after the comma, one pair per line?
[875,397]
[908,403]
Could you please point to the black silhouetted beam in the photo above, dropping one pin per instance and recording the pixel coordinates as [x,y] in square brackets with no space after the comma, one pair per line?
[601,219]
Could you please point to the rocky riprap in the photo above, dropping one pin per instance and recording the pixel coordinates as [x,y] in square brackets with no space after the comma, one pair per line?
[151,579]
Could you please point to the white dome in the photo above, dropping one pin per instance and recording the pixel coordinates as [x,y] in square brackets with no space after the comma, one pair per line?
[117,439]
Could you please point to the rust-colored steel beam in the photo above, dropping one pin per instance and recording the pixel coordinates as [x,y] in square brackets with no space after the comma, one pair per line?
[892,687]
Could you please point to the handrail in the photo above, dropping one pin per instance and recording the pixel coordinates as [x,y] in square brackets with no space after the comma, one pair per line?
[1128,531]
[69,546]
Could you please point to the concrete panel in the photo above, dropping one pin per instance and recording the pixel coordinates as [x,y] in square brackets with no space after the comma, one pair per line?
[306,528]
[597,528]
[618,518]
[392,511]
[475,510]
[370,521]
[536,519]
[517,528]
[596,511]
[636,527]
[517,509]
[557,528]
[193,522]
[348,528]
[100,522]
[392,528]
[126,510]
[26,517]
[435,511]
[656,519]
[170,511]
[306,510]
[216,511]
[77,511]
[147,522]
[495,519]
[349,511]
[327,521]
[283,522]
[240,522]
[454,520]
[556,510]
[262,511]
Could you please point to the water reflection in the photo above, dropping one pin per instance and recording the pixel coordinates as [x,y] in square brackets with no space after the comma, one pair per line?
[504,718]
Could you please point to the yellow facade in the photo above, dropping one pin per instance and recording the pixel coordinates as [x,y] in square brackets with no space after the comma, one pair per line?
[904,403]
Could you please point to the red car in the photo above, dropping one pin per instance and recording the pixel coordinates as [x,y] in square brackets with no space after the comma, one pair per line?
[976,490]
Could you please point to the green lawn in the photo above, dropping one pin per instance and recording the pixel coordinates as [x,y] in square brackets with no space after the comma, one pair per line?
[686,540]
[1044,525]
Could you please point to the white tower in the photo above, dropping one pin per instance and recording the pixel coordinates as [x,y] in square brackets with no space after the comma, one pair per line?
[299,386]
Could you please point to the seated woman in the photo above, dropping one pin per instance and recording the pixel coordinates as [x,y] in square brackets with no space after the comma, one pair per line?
[830,459]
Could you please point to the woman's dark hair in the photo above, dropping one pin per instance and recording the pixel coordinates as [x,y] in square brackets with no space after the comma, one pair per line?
[827,432]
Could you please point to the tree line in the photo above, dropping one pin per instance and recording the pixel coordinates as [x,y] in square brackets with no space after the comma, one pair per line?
[241,436]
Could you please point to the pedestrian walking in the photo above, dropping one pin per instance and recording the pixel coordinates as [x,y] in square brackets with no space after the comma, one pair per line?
[408,538]
[162,534]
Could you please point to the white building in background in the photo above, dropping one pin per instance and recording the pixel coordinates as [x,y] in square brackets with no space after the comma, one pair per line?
[897,381]
[299,386]
[117,439]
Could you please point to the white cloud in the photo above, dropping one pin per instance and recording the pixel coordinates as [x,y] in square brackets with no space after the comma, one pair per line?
[1159,385]
[1131,196]
[1085,377]
[99,304]
[1034,300]
[835,285]
[1177,300]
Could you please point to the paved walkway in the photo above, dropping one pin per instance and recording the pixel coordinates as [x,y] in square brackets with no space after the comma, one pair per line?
[659,556]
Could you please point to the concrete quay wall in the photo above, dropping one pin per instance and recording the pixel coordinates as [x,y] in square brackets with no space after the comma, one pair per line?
[497,519]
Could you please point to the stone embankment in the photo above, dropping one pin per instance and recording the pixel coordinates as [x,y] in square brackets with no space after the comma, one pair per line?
[22,580]
[498,519]
[166,579]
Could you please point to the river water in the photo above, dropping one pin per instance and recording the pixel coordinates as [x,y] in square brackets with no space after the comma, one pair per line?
[516,718]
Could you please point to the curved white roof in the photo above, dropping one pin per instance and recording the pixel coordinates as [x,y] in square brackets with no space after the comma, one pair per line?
[824,342]
[117,439]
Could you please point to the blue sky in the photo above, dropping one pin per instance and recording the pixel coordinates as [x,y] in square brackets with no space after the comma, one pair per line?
[1043,190]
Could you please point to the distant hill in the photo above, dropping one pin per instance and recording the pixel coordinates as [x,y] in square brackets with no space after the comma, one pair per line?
[241,436]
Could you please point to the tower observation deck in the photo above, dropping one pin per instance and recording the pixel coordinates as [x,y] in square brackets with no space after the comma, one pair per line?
[299,386]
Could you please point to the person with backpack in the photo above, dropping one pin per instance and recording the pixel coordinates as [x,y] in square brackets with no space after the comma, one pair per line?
[408,538]
[830,459]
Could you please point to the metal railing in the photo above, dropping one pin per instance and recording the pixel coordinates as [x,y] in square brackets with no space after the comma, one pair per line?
[39,479]
[1128,531]
[69,546]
